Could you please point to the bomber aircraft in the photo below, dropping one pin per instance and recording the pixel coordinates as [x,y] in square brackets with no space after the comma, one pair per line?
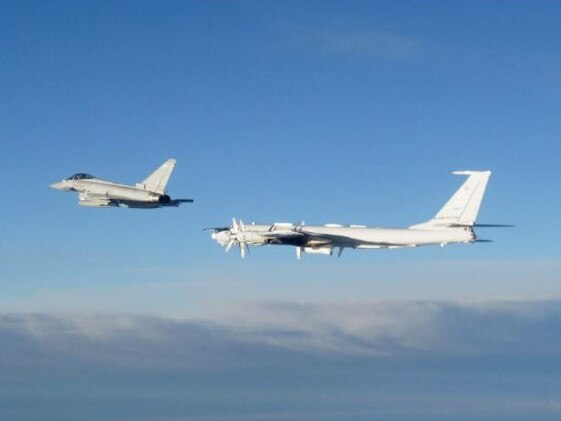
[150,193]
[454,223]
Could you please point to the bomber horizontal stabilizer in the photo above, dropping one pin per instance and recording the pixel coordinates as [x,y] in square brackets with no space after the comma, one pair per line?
[481,226]
[494,226]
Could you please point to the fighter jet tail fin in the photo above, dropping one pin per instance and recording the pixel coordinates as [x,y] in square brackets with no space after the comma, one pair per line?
[462,208]
[158,180]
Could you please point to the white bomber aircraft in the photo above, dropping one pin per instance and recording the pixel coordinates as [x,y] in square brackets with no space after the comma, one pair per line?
[454,223]
[96,192]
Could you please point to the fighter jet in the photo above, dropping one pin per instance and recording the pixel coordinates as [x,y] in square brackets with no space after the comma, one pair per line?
[150,193]
[454,223]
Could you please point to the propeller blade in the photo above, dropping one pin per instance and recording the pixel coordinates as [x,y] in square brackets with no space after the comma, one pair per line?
[340,251]
[298,252]
[242,226]
[483,241]
[229,245]
[242,249]
[235,227]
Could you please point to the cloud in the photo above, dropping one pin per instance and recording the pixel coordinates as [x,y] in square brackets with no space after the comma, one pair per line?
[377,44]
[284,360]
[401,328]
[389,329]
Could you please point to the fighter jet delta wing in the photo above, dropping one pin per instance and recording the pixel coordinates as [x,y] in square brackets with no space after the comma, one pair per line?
[150,193]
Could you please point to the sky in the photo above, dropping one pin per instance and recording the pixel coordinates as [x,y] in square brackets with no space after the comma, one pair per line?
[317,111]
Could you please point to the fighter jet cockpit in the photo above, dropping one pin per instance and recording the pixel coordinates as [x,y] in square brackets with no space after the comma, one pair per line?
[80,176]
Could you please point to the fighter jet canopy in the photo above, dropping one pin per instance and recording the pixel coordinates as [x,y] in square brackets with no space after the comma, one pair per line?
[80,176]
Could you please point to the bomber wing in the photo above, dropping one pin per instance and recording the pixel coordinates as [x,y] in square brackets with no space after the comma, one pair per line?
[333,240]
[284,237]
[308,238]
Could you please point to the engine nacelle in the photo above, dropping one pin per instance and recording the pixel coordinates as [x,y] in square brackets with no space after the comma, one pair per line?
[249,237]
[319,250]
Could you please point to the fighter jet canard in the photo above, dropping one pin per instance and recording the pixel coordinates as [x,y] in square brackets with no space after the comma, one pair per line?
[150,193]
[454,223]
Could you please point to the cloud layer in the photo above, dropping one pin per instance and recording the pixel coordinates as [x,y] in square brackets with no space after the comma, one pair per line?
[405,360]
[363,43]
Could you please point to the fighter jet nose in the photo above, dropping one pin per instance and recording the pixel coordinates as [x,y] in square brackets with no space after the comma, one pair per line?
[58,186]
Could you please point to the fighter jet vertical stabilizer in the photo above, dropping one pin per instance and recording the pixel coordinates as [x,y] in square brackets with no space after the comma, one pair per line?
[157,181]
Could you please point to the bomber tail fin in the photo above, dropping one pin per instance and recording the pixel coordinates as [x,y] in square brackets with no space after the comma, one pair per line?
[462,208]
[158,180]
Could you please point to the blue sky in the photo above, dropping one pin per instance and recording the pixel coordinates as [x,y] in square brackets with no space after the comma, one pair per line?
[349,112]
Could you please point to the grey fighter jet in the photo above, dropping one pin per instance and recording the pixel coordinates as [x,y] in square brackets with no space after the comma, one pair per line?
[150,193]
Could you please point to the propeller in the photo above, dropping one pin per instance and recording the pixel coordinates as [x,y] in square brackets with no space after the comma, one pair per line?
[235,230]
[243,247]
[235,227]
